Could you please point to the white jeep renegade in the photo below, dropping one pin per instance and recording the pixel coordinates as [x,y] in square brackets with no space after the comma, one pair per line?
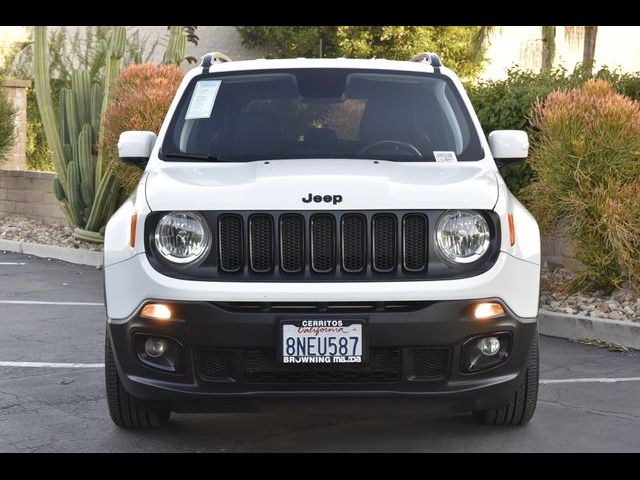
[315,228]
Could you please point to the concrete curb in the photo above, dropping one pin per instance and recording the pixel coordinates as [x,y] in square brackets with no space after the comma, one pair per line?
[79,256]
[565,325]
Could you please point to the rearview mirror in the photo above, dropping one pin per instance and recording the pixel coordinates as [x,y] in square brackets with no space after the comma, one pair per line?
[509,146]
[134,148]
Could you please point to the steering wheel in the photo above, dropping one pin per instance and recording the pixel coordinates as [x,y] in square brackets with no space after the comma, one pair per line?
[397,143]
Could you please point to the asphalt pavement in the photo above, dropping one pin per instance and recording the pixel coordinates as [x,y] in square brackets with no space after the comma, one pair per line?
[52,397]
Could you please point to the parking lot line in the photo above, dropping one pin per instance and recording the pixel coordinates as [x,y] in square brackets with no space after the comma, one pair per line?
[13,263]
[591,380]
[35,302]
[51,365]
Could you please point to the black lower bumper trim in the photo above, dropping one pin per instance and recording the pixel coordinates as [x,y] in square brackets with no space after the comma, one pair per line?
[230,355]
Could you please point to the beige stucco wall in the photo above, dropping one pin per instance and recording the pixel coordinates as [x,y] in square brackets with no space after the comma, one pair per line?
[221,38]
[616,47]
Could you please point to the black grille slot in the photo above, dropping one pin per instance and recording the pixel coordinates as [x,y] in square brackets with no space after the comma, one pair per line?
[432,362]
[384,243]
[323,243]
[311,307]
[292,243]
[230,243]
[261,243]
[261,366]
[354,243]
[214,365]
[414,242]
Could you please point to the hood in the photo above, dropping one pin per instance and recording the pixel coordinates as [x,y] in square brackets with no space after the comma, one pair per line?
[338,184]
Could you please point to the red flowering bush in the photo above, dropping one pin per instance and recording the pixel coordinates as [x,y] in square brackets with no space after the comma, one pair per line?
[141,97]
[587,160]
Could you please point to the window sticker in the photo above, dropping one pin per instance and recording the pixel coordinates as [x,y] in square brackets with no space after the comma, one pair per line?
[203,98]
[445,157]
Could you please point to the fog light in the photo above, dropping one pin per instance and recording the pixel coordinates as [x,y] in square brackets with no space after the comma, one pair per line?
[489,346]
[155,347]
[483,311]
[156,311]
[484,352]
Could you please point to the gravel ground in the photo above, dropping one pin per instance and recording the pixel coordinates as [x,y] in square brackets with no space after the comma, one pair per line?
[20,228]
[622,304]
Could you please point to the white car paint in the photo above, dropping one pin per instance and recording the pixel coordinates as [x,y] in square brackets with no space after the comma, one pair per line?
[281,184]
[130,280]
[509,144]
[136,144]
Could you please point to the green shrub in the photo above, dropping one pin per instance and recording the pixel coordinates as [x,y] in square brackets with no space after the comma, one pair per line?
[586,157]
[394,42]
[7,126]
[506,104]
[38,154]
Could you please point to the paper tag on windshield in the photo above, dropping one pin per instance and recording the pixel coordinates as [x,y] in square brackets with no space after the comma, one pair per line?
[203,98]
[445,157]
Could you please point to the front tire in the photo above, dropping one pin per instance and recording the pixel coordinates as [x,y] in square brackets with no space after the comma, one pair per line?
[522,405]
[126,411]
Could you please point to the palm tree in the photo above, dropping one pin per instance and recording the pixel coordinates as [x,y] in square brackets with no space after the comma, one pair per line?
[484,34]
[548,47]
[589,51]
[481,40]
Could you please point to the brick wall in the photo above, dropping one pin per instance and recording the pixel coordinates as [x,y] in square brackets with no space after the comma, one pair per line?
[30,194]
[17,93]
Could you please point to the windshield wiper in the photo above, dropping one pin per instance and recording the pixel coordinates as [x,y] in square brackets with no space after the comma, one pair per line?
[193,156]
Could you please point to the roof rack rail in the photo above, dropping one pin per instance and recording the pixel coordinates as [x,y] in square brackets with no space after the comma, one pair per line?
[211,58]
[429,58]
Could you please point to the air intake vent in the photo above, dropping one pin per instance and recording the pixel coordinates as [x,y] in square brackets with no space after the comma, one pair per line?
[430,363]
[414,242]
[354,243]
[261,243]
[384,243]
[214,365]
[323,243]
[230,243]
[292,243]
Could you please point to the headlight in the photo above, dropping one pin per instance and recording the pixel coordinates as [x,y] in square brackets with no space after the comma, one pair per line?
[462,235]
[182,237]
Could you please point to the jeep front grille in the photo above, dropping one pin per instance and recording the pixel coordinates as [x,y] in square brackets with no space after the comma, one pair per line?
[349,242]
[323,243]
[230,242]
[292,243]
[321,246]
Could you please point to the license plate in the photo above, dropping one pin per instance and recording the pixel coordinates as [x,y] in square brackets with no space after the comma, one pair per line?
[322,341]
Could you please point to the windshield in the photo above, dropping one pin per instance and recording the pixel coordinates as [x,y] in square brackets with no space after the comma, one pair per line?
[321,113]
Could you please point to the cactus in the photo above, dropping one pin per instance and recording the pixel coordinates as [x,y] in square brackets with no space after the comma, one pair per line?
[87,165]
[176,46]
[104,203]
[45,105]
[58,191]
[87,195]
[112,69]
[74,195]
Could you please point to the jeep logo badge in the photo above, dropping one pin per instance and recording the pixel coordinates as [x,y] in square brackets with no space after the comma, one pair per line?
[335,199]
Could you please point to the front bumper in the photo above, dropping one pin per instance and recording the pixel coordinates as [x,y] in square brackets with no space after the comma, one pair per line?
[208,326]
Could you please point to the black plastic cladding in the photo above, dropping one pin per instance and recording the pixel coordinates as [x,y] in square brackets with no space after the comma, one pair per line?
[437,267]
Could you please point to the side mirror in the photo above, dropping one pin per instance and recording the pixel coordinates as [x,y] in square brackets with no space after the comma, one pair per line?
[135,147]
[509,146]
